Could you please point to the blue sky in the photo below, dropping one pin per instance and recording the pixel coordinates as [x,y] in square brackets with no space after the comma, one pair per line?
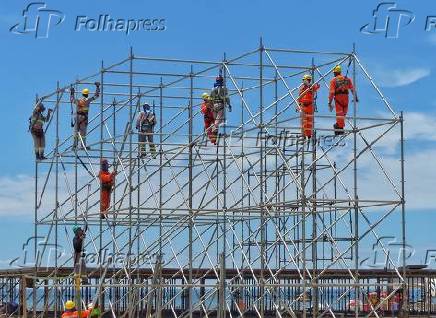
[405,68]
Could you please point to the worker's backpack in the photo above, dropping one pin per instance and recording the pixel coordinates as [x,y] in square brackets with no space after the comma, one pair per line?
[38,132]
[342,85]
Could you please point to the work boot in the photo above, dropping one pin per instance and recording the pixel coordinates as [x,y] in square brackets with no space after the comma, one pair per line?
[335,127]
[37,157]
[153,152]
[42,157]
[102,216]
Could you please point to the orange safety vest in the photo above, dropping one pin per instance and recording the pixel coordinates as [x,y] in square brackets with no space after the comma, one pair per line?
[70,314]
[82,105]
[206,110]
[107,180]
[307,94]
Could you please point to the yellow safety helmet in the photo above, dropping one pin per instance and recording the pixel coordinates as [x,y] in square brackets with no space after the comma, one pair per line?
[85,91]
[307,77]
[69,305]
[337,69]
[205,96]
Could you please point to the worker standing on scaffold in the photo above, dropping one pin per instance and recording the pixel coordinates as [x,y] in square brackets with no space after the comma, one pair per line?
[82,111]
[339,89]
[306,100]
[209,119]
[145,126]
[220,99]
[79,254]
[107,181]
[36,127]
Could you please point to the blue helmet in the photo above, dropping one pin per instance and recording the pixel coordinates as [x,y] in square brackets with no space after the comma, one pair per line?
[219,81]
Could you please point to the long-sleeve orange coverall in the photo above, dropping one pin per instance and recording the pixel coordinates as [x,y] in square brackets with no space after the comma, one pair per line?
[106,181]
[306,100]
[339,89]
[209,119]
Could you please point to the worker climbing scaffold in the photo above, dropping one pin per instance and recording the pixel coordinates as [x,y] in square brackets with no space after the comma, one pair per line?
[79,254]
[145,126]
[107,181]
[340,86]
[82,110]
[306,101]
[209,118]
[36,127]
[220,99]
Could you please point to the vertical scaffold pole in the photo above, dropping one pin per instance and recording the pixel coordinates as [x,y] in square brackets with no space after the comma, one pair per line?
[36,232]
[405,305]
[100,240]
[56,154]
[224,210]
[130,302]
[138,216]
[314,208]
[191,222]
[160,163]
[356,196]
[262,215]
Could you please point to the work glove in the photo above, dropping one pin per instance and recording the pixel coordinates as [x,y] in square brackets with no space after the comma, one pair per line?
[50,110]
[356,99]
[330,107]
[230,108]
[97,84]
[72,90]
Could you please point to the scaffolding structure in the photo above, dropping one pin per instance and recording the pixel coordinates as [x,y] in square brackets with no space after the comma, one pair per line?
[258,225]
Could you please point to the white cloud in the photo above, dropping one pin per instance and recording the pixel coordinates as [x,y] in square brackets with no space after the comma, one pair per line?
[400,77]
[16,195]
[419,126]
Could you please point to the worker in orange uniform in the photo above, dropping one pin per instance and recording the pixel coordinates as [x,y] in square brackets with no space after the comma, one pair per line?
[72,312]
[209,118]
[107,180]
[306,100]
[340,86]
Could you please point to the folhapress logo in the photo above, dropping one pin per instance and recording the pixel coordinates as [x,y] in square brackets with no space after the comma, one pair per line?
[38,20]
[388,20]
[105,23]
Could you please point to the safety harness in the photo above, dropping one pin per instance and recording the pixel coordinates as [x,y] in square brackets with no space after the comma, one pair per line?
[107,186]
[342,83]
[35,119]
[147,121]
[219,98]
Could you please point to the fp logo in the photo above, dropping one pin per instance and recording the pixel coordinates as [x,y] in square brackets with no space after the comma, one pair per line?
[388,20]
[38,20]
